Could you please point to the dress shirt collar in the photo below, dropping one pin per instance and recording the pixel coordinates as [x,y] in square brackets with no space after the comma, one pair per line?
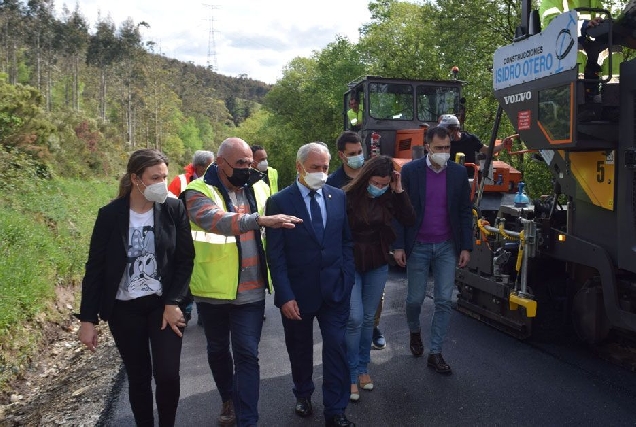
[304,191]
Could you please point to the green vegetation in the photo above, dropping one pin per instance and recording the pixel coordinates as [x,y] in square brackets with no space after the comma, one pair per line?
[404,39]
[110,85]
[45,226]
[73,105]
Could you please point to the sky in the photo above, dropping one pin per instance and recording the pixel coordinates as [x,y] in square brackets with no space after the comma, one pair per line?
[253,37]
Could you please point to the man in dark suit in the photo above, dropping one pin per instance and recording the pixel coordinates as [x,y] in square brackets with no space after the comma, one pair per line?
[441,239]
[312,272]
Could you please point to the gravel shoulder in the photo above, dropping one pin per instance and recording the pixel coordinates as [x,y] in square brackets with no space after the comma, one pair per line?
[66,384]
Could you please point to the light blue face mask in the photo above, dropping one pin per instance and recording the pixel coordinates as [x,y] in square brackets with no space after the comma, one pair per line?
[375,191]
[355,162]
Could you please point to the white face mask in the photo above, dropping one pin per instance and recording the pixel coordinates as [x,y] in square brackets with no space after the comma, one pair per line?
[315,180]
[439,159]
[262,166]
[157,192]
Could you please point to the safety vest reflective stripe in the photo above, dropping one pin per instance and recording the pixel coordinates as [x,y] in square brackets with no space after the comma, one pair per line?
[184,181]
[212,238]
[261,194]
[550,12]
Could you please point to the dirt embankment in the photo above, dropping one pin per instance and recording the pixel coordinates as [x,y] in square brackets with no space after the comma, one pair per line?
[65,383]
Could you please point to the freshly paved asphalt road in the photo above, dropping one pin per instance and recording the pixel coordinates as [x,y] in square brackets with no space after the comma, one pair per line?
[496,381]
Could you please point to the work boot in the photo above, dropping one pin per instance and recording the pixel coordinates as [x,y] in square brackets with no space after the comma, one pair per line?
[227,416]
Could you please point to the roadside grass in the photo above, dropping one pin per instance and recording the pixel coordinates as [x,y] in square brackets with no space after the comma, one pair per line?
[45,229]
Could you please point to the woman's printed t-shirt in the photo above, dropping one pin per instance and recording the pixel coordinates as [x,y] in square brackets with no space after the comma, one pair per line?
[140,277]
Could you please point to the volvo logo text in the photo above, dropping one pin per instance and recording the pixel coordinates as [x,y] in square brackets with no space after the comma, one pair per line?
[518,97]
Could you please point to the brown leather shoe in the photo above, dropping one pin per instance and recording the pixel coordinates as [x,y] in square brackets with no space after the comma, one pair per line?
[227,416]
[436,361]
[417,348]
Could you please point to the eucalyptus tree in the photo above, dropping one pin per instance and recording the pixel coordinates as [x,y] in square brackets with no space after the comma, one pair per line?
[102,52]
[156,89]
[41,24]
[130,67]
[72,39]
[12,36]
[425,40]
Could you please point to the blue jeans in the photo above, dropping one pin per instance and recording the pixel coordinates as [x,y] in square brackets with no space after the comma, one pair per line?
[365,297]
[441,258]
[236,374]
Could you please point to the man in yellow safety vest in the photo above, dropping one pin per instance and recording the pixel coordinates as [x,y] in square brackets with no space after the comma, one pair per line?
[230,277]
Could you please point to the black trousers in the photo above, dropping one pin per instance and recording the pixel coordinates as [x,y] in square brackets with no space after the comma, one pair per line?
[136,328]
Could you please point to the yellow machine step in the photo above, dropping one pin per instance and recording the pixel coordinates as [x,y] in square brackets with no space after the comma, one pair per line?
[529,304]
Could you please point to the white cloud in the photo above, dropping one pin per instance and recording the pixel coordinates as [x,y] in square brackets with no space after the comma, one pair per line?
[257,38]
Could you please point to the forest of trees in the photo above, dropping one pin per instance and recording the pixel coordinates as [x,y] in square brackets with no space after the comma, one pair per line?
[85,97]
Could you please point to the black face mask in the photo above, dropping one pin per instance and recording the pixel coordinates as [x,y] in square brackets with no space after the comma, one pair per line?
[255,176]
[245,176]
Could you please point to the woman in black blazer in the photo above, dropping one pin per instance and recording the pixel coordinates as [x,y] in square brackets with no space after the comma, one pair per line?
[138,271]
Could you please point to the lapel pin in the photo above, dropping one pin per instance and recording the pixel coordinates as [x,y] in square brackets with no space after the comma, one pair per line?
[329,196]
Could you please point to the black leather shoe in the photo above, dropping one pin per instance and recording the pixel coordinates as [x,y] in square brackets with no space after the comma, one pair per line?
[303,407]
[339,421]
[436,361]
[417,348]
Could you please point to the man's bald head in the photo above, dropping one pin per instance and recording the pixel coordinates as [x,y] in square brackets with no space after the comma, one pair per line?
[232,145]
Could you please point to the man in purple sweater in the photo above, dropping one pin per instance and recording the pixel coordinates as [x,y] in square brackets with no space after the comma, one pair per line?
[441,239]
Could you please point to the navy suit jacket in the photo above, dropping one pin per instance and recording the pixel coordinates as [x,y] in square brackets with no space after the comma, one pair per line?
[301,267]
[174,252]
[457,198]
